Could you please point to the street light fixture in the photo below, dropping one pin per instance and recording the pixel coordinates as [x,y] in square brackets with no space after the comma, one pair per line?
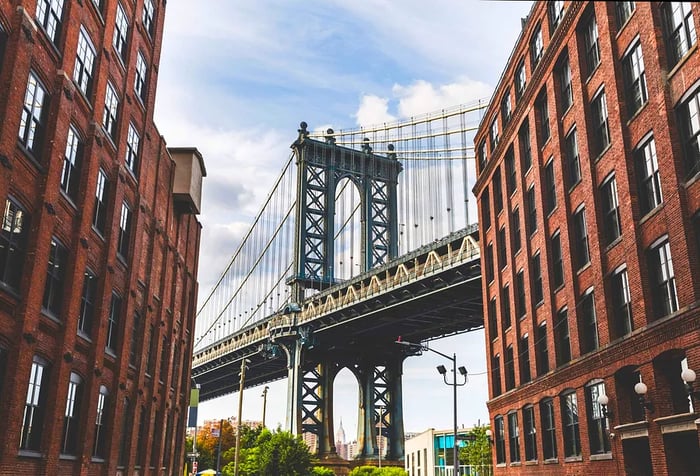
[443,371]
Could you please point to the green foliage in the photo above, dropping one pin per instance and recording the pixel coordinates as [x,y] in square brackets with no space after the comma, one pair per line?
[374,471]
[478,451]
[321,471]
[272,454]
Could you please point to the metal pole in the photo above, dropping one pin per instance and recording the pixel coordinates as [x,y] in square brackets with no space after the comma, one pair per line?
[240,415]
[454,414]
[380,435]
[264,395]
[218,453]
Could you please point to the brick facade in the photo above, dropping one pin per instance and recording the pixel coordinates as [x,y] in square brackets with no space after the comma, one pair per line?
[631,270]
[138,352]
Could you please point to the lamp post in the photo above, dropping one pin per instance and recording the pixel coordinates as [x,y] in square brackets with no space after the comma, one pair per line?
[264,396]
[381,427]
[240,415]
[443,371]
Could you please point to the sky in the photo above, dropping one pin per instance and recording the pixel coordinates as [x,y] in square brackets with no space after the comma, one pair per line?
[237,77]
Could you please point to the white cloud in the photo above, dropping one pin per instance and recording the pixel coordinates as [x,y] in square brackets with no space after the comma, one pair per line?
[373,110]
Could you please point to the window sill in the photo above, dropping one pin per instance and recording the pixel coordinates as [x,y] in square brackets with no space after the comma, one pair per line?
[551,212]
[31,157]
[10,290]
[647,216]
[593,71]
[637,112]
[583,268]
[613,244]
[573,459]
[546,141]
[574,185]
[515,464]
[64,457]
[97,459]
[602,152]
[622,27]
[110,353]
[558,288]
[50,315]
[68,199]
[501,465]
[682,61]
[691,181]
[601,457]
[29,454]
[566,112]
[84,336]
[532,462]
[98,233]
[551,461]
[539,304]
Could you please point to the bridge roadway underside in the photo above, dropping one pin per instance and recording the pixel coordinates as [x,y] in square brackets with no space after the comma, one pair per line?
[438,305]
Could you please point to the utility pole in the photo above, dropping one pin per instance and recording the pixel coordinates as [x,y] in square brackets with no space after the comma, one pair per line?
[240,416]
[218,453]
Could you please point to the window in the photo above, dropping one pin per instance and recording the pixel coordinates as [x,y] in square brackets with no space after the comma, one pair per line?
[124,231]
[562,342]
[573,164]
[485,209]
[493,322]
[511,177]
[689,118]
[84,62]
[141,442]
[33,118]
[516,230]
[164,359]
[621,302]
[550,196]
[590,41]
[70,175]
[493,134]
[623,11]
[597,423]
[524,358]
[542,110]
[557,262]
[121,28]
[588,323]
[520,308]
[109,115]
[505,109]
[488,262]
[126,429]
[520,80]
[35,404]
[71,426]
[3,44]
[530,433]
[132,149]
[648,177]
[580,237]
[510,368]
[524,142]
[48,15]
[55,277]
[496,375]
[500,439]
[635,79]
[536,47]
[483,156]
[531,211]
[148,13]
[135,341]
[98,5]
[514,437]
[100,216]
[497,191]
[542,353]
[98,447]
[610,209]
[502,250]
[140,78]
[537,293]
[150,360]
[555,11]
[549,435]
[13,242]
[113,323]
[87,303]
[663,280]
[599,127]
[569,413]
[566,92]
[505,307]
[680,30]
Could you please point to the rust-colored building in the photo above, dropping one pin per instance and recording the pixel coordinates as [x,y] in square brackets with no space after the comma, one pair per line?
[589,196]
[98,247]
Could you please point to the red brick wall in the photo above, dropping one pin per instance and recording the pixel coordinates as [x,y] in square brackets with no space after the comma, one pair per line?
[159,278]
[681,199]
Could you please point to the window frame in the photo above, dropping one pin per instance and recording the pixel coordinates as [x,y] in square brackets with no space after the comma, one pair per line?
[500,439]
[531,201]
[88,303]
[610,209]
[83,69]
[496,386]
[520,80]
[101,419]
[684,29]
[121,33]
[72,162]
[570,424]
[566,91]
[509,365]
[14,235]
[536,46]
[591,45]
[511,174]
[542,110]
[549,430]
[634,75]
[621,302]
[506,317]
[664,292]
[525,148]
[71,417]
[598,439]
[494,134]
[648,176]
[148,17]
[52,302]
[582,255]
[555,13]
[501,240]
[515,230]
[513,437]
[573,160]
[600,130]
[688,114]
[497,189]
[99,219]
[133,141]
[537,287]
[562,337]
[125,231]
[49,16]
[588,322]
[541,349]
[524,358]
[530,431]
[34,116]
[506,109]
[35,405]
[623,12]
[520,304]
[550,202]
[110,113]
[113,323]
[557,261]
[140,78]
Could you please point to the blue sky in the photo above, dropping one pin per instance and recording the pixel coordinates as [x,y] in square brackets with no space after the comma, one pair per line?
[237,77]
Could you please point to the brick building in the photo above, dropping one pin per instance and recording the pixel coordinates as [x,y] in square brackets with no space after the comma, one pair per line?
[98,246]
[589,205]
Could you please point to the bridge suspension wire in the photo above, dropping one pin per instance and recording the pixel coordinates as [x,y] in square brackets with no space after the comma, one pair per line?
[434,199]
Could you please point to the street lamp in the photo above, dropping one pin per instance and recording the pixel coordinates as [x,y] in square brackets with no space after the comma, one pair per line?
[240,415]
[264,396]
[443,371]
[381,421]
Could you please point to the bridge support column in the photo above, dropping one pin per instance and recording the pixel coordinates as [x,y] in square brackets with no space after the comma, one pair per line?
[381,399]
[293,414]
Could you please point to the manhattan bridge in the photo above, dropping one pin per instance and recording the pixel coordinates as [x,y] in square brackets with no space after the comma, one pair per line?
[368,234]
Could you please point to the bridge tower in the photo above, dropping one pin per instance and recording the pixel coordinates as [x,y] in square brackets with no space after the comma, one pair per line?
[312,367]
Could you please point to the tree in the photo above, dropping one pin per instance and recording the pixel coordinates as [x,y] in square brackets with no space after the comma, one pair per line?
[321,471]
[374,471]
[273,454]
[477,452]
